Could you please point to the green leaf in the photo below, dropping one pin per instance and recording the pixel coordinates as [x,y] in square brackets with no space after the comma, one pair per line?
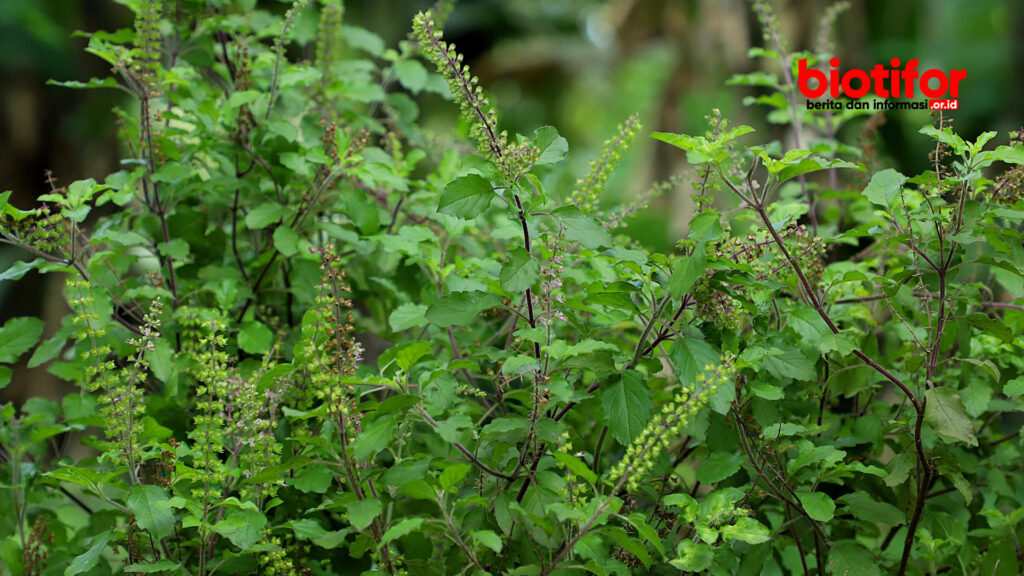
[690,354]
[947,137]
[411,74]
[884,187]
[687,271]
[466,197]
[264,215]
[452,475]
[1014,387]
[17,336]
[944,411]
[406,355]
[519,364]
[148,503]
[286,241]
[813,164]
[818,505]
[255,338]
[1009,154]
[460,308]
[863,507]
[374,437]
[489,539]
[172,172]
[847,558]
[177,249]
[314,478]
[646,531]
[583,229]
[560,350]
[627,404]
[551,146]
[362,513]
[407,316]
[50,348]
[718,466]
[790,363]
[310,529]
[576,466]
[693,556]
[87,560]
[520,272]
[686,502]
[5,376]
[243,528]
[17,270]
[748,530]
[404,527]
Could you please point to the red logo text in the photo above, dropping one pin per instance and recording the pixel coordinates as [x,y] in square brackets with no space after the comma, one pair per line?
[883,82]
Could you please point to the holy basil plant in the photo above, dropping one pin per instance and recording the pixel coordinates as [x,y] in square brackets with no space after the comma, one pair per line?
[306,336]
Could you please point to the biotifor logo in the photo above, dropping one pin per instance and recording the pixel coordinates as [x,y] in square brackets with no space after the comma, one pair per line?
[939,87]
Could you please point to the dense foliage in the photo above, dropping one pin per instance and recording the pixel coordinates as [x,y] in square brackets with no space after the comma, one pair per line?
[312,338]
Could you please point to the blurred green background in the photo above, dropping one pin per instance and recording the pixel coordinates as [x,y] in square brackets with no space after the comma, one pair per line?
[580,65]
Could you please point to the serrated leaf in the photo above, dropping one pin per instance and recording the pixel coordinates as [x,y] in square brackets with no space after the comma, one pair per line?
[88,559]
[847,558]
[945,413]
[19,269]
[690,354]
[374,437]
[790,363]
[404,527]
[576,466]
[946,136]
[316,479]
[177,249]
[17,336]
[452,475]
[408,316]
[489,539]
[884,187]
[466,197]
[693,556]
[244,528]
[362,513]
[718,466]
[146,502]
[264,215]
[406,355]
[818,505]
[551,146]
[687,271]
[813,164]
[864,507]
[411,74]
[626,403]
[1014,387]
[1009,154]
[582,228]
[747,530]
[286,240]
[49,349]
[520,271]
[460,308]
[255,338]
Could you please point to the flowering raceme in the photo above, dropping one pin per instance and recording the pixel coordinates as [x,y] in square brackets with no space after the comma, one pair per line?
[674,416]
